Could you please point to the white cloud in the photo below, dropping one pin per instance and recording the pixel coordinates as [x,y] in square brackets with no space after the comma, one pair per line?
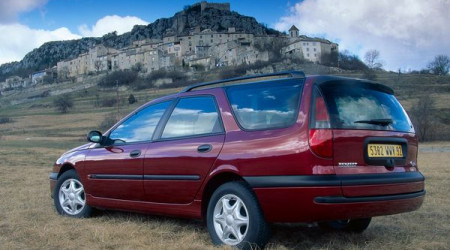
[109,24]
[407,33]
[9,9]
[17,40]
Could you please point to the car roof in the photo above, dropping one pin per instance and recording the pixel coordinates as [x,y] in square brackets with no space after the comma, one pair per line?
[245,79]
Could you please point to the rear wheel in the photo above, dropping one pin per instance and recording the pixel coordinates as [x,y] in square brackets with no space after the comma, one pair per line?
[235,218]
[69,197]
[350,225]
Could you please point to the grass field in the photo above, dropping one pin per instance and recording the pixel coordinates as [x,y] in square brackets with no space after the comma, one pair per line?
[38,135]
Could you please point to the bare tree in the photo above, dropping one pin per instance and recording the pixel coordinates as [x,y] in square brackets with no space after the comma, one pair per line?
[372,59]
[423,118]
[98,65]
[440,65]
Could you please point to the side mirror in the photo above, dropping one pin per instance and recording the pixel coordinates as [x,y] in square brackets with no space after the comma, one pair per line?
[95,136]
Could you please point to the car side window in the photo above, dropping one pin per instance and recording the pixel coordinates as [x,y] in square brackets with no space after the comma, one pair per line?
[140,126]
[193,116]
[265,105]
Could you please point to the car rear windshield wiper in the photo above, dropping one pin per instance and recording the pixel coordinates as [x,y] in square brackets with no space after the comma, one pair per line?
[382,122]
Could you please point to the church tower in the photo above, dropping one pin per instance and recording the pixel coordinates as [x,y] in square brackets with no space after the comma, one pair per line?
[293,32]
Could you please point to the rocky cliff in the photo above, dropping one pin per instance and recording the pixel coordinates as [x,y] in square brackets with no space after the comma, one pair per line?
[180,24]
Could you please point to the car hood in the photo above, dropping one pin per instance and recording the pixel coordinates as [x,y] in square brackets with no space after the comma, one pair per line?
[82,147]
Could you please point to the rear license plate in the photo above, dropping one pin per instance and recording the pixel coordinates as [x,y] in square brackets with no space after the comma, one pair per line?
[384,150]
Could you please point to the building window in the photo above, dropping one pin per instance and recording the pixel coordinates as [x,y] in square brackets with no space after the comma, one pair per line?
[314,49]
[200,36]
[211,40]
[315,55]
[307,55]
[307,49]
[212,35]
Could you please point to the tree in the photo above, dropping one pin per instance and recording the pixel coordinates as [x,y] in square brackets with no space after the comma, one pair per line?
[329,59]
[440,65]
[350,62]
[422,117]
[137,67]
[63,103]
[372,59]
[97,65]
[63,74]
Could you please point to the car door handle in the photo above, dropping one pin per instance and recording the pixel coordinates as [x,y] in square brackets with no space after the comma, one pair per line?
[135,153]
[204,148]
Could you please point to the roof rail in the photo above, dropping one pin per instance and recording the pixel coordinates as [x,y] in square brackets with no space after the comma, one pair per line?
[230,81]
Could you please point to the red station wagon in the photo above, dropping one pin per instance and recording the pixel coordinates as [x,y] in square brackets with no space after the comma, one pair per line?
[244,152]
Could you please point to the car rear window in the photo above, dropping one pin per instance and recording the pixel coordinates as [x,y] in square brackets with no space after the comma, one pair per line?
[265,105]
[364,106]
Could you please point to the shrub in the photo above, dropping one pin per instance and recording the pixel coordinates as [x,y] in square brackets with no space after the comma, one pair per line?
[63,103]
[369,74]
[5,119]
[108,122]
[108,102]
[131,99]
[121,77]
[158,74]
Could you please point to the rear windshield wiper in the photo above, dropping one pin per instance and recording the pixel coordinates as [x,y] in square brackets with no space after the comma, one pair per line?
[382,122]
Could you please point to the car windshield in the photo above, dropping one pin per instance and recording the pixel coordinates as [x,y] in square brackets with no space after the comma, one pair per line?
[363,106]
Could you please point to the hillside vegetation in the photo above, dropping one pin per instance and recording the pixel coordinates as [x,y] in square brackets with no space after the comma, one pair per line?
[90,95]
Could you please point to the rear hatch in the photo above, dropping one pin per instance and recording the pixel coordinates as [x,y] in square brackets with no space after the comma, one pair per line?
[372,137]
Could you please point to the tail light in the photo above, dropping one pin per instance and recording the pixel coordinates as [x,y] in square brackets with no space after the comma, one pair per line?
[320,133]
[321,142]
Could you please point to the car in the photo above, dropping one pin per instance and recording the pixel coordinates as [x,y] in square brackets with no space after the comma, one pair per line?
[245,152]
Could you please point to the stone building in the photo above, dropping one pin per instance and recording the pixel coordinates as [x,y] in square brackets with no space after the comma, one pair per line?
[311,49]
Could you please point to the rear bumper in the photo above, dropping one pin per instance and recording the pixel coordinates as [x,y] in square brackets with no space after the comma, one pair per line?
[332,197]
[343,200]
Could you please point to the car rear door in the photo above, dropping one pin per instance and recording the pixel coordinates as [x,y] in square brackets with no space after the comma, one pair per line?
[178,161]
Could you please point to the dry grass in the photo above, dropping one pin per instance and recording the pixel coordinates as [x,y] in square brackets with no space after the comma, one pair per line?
[28,220]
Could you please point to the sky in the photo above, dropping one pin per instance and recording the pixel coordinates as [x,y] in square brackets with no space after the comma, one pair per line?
[408,33]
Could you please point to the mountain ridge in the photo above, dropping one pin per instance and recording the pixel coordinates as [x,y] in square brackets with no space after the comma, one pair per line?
[191,17]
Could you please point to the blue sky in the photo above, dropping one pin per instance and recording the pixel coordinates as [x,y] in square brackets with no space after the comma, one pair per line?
[408,33]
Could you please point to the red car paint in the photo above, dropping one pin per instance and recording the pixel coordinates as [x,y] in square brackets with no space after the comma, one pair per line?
[238,154]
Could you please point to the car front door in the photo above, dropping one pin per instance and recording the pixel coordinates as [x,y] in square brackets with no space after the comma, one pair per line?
[178,161]
[116,170]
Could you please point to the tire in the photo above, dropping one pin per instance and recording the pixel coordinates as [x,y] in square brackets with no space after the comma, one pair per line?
[235,218]
[352,225]
[69,196]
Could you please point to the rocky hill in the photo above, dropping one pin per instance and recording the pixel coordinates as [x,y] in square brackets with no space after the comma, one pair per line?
[180,24]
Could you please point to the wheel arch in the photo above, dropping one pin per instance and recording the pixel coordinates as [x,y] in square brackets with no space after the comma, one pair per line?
[215,182]
[65,167]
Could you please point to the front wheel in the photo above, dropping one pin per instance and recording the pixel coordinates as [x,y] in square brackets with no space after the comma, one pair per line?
[235,218]
[351,225]
[69,196]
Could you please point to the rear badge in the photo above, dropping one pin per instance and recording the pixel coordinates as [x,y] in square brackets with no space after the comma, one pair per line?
[347,164]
